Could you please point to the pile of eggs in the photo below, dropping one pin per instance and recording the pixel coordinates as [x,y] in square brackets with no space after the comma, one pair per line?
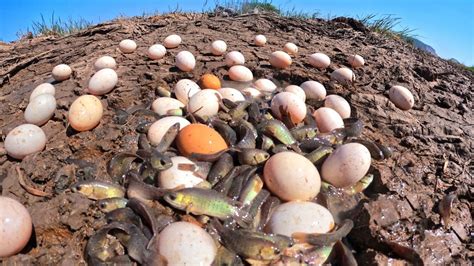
[289,175]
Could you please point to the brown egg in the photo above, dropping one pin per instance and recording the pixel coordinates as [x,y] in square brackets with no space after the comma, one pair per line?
[280,59]
[85,113]
[327,119]
[199,138]
[15,227]
[289,103]
[339,104]
[401,97]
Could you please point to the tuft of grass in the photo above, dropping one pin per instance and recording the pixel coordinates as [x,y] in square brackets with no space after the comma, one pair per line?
[249,6]
[386,25]
[55,26]
[470,68]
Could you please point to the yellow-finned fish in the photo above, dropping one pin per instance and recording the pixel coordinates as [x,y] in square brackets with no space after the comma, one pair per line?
[98,190]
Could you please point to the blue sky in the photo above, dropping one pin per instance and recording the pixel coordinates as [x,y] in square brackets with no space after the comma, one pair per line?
[448,26]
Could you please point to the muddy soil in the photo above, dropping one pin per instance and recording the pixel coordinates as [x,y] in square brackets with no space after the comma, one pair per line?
[397,220]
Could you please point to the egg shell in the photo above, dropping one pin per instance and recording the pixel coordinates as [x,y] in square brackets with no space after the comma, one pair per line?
[300,217]
[40,109]
[339,104]
[327,119]
[204,103]
[185,89]
[291,176]
[356,61]
[102,82]
[172,41]
[61,72]
[234,58]
[174,177]
[290,48]
[291,103]
[297,90]
[210,81]
[24,140]
[15,227]
[240,73]
[319,60]
[218,47]
[252,92]
[43,88]
[231,94]
[346,165]
[127,46]
[343,75]
[156,51]
[183,243]
[159,128]
[164,105]
[105,62]
[401,97]
[199,138]
[85,113]
[185,61]
[280,59]
[314,90]
[265,85]
[260,40]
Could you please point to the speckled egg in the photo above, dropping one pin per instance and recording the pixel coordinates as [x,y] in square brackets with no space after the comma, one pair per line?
[127,46]
[204,103]
[401,97]
[290,104]
[102,82]
[15,227]
[290,48]
[167,106]
[105,62]
[300,217]
[218,47]
[356,60]
[314,90]
[43,88]
[159,128]
[319,60]
[343,75]
[177,176]
[264,85]
[231,94]
[327,119]
[85,113]
[280,59]
[61,72]
[234,58]
[185,61]
[172,41]
[339,104]
[291,176]
[199,138]
[156,51]
[24,140]
[260,40]
[297,90]
[183,243]
[185,89]
[240,73]
[346,165]
[40,109]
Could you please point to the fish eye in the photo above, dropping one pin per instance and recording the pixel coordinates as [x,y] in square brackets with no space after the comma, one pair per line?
[162,162]
[102,205]
[172,196]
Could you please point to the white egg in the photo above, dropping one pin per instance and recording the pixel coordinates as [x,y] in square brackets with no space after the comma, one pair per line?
[105,62]
[265,85]
[297,90]
[156,51]
[280,59]
[175,176]
[319,60]
[40,109]
[260,40]
[346,165]
[205,103]
[167,106]
[231,94]
[291,48]
[159,128]
[343,75]
[401,97]
[252,92]
[185,89]
[327,119]
[289,103]
[300,217]
[43,88]
[61,72]
[172,41]
[15,227]
[339,104]
[218,47]
[24,140]
[291,176]
[314,90]
[102,82]
[85,113]
[127,46]
[185,61]
[356,61]
[183,243]
[234,58]
[240,73]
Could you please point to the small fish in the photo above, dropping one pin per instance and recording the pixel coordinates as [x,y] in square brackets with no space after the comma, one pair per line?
[320,153]
[373,148]
[159,161]
[227,133]
[98,190]
[145,214]
[120,164]
[209,202]
[360,186]
[239,182]
[325,239]
[121,116]
[256,205]
[133,239]
[344,254]
[140,190]
[123,215]
[110,204]
[353,127]
[267,143]
[224,185]
[168,138]
[266,210]
[143,142]
[239,112]
[251,189]
[220,168]
[143,127]
[101,249]
[252,156]
[304,132]
[208,157]
[254,113]
[225,257]
[276,129]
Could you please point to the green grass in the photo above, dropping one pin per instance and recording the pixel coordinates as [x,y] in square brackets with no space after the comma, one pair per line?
[55,26]
[471,68]
[386,25]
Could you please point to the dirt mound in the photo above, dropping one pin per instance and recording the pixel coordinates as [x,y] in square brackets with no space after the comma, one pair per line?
[398,216]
